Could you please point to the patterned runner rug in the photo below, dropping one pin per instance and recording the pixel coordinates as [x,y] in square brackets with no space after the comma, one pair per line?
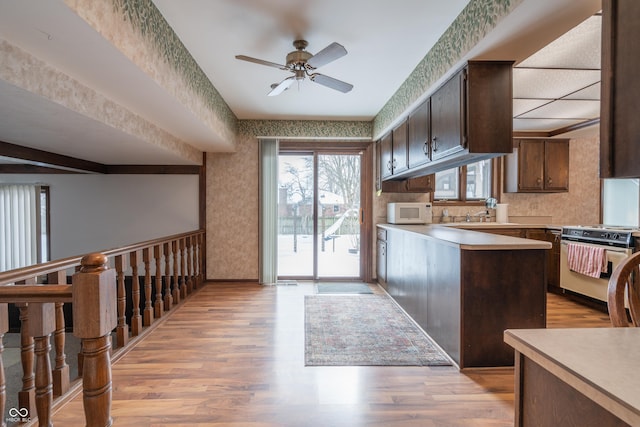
[364,330]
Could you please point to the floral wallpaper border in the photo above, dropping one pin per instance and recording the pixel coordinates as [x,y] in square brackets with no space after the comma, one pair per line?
[147,19]
[306,129]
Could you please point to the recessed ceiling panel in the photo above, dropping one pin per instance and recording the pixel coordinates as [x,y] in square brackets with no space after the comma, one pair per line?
[521,106]
[592,92]
[551,84]
[543,125]
[565,109]
[578,48]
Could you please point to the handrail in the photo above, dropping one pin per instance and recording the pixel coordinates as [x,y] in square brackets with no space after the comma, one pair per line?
[24,273]
[35,293]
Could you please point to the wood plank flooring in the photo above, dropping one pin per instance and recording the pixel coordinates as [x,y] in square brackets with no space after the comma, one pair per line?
[233,355]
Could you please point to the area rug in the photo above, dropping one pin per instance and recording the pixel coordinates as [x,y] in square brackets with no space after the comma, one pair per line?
[343,288]
[364,330]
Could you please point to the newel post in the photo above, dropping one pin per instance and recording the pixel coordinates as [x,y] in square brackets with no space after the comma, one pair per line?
[95,316]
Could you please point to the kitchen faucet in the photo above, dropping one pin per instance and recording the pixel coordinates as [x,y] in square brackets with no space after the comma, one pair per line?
[484,212]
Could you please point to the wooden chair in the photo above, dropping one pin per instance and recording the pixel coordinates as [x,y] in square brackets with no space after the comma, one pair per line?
[626,276]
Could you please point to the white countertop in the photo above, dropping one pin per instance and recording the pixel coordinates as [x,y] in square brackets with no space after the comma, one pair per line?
[601,363]
[470,240]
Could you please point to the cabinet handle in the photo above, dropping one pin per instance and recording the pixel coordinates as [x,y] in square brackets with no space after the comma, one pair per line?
[389,165]
[435,143]
[425,148]
[394,163]
[538,180]
[549,181]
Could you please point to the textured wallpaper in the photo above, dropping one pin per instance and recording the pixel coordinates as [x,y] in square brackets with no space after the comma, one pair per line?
[308,129]
[232,212]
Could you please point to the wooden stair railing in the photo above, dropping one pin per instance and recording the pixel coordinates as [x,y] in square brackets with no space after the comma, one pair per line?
[42,316]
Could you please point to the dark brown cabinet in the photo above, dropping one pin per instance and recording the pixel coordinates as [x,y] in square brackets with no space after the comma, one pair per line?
[419,135]
[400,141]
[538,166]
[386,156]
[393,152]
[469,118]
[448,121]
[619,125]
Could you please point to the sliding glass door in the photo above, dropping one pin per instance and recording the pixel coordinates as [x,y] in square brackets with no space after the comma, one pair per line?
[319,215]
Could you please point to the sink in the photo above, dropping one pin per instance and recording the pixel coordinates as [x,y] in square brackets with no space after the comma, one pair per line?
[478,224]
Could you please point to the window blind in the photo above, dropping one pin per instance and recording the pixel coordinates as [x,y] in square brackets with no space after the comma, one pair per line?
[19,225]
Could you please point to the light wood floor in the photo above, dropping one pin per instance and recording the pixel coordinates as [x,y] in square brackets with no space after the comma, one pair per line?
[233,355]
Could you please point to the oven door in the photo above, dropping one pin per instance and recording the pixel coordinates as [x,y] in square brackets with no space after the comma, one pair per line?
[585,285]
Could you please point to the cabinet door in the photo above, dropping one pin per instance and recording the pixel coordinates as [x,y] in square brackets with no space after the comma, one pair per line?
[531,165]
[447,118]
[400,153]
[386,156]
[556,165]
[419,141]
[381,266]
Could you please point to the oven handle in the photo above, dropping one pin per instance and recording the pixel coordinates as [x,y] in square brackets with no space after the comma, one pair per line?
[608,248]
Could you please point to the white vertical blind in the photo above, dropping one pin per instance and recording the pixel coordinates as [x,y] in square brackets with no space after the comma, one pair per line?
[19,231]
[268,211]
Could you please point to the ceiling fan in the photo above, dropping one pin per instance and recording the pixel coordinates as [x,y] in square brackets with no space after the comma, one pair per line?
[302,64]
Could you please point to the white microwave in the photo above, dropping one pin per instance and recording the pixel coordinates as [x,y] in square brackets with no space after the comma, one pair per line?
[409,213]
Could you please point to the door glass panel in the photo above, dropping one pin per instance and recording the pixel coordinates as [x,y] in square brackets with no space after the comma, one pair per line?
[338,215]
[295,215]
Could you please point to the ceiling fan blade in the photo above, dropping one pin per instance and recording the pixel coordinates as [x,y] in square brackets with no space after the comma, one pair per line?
[330,82]
[261,62]
[282,86]
[326,55]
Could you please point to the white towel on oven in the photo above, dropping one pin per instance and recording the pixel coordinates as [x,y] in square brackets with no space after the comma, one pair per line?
[587,260]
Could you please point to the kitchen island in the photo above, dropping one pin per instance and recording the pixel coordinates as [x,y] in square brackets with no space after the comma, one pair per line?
[464,288]
[576,377]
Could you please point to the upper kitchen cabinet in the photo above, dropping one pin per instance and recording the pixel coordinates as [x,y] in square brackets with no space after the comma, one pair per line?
[419,135]
[467,119]
[386,156]
[448,118]
[400,148]
[620,96]
[393,152]
[538,166]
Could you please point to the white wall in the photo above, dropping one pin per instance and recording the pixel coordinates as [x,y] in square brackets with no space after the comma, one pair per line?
[97,212]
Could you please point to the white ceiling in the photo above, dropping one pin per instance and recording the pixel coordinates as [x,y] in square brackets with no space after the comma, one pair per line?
[385,41]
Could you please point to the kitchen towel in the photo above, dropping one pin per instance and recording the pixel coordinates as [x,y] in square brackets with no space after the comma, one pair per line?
[587,260]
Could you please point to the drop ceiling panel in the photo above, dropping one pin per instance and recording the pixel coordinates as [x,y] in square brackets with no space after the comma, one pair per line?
[521,106]
[551,83]
[565,109]
[578,48]
[545,125]
[592,92]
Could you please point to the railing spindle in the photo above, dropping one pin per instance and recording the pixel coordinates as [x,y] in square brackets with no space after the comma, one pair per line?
[158,308]
[147,315]
[26,396]
[122,331]
[183,270]
[136,318]
[189,264]
[61,379]
[168,298]
[176,283]
[42,321]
